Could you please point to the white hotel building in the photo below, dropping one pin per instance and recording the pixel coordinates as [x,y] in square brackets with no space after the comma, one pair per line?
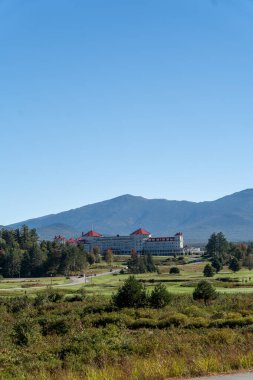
[140,241]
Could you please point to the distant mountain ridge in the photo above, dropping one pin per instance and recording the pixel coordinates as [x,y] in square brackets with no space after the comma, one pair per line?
[232,214]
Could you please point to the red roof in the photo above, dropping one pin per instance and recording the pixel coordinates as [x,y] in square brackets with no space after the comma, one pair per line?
[140,231]
[71,241]
[60,237]
[92,234]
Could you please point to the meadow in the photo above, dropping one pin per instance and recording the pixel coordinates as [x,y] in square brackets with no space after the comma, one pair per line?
[56,330]
[96,283]
[55,335]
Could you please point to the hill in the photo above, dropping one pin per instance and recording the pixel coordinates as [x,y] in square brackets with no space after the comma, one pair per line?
[232,214]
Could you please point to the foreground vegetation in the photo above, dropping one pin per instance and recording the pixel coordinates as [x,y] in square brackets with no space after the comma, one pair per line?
[79,336]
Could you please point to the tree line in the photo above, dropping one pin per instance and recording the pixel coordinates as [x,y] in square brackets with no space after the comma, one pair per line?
[221,252]
[23,255]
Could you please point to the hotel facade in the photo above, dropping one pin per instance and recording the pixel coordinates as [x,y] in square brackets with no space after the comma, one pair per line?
[140,241]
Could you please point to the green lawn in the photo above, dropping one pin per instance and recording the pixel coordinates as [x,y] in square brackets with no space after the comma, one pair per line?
[184,283]
[190,273]
[32,282]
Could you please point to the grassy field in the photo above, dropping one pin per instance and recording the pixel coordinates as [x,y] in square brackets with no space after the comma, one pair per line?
[33,282]
[183,283]
[81,335]
[84,337]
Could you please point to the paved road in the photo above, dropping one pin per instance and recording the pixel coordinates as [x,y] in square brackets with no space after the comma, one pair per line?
[239,376]
[75,280]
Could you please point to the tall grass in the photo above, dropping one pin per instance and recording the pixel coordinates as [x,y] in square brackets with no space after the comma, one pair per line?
[90,339]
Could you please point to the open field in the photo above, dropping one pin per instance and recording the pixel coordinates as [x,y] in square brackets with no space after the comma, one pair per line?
[84,337]
[97,283]
[32,282]
[80,334]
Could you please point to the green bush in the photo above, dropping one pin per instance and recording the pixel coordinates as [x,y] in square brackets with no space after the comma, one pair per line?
[174,270]
[197,322]
[160,297]
[144,323]
[24,332]
[40,299]
[209,271]
[131,294]
[17,304]
[217,264]
[96,308]
[176,320]
[74,298]
[204,291]
[59,326]
[54,296]
[234,264]
[114,318]
[232,323]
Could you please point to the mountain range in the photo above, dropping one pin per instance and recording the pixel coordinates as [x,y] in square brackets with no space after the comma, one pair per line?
[232,214]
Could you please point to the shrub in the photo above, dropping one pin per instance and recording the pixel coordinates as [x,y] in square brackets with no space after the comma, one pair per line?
[204,291]
[160,297]
[197,322]
[40,299]
[105,319]
[232,323]
[234,264]
[176,320]
[17,304]
[195,311]
[54,296]
[23,332]
[217,264]
[209,271]
[144,323]
[59,326]
[131,294]
[74,298]
[174,270]
[93,309]
[227,279]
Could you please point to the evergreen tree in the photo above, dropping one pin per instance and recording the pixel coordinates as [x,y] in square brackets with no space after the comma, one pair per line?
[141,264]
[204,291]
[150,263]
[131,294]
[37,260]
[209,271]
[222,245]
[211,247]
[248,261]
[12,263]
[234,264]
[159,297]
[174,270]
[217,264]
[217,246]
[25,270]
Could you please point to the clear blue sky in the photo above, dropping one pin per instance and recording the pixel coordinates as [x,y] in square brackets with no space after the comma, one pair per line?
[101,98]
